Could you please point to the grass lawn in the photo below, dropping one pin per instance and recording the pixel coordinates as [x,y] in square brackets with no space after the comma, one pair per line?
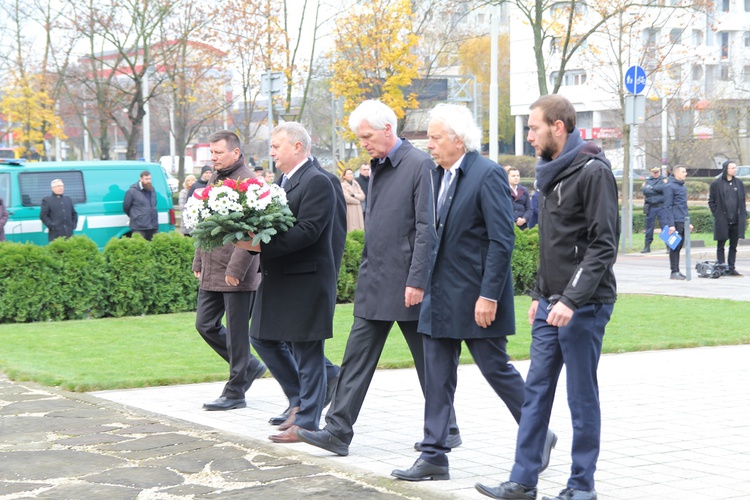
[165,349]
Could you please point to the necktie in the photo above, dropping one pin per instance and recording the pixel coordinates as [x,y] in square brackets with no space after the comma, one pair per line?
[284,178]
[446,187]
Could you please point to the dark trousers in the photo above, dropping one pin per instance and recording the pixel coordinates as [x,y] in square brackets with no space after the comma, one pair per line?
[734,237]
[441,376]
[578,346]
[232,342]
[674,255]
[148,234]
[298,367]
[363,349]
[653,213]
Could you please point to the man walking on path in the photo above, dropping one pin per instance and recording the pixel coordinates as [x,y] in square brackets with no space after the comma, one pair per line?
[229,278]
[469,293]
[572,301]
[726,200]
[58,212]
[392,275]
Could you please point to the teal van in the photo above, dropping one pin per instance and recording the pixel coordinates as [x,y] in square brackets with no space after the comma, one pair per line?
[97,188]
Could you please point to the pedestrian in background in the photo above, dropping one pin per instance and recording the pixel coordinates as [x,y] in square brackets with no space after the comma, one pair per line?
[653,204]
[140,206]
[675,211]
[726,199]
[575,292]
[182,199]
[521,200]
[58,212]
[364,182]
[3,219]
[354,198]
[206,172]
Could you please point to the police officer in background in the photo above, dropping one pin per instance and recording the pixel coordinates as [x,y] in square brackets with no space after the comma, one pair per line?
[653,206]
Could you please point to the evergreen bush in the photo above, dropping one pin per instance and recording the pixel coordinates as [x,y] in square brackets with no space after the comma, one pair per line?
[132,276]
[525,260]
[349,273]
[83,281]
[29,279]
[176,289]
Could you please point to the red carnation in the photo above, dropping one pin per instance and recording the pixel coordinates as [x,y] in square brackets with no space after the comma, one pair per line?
[230,183]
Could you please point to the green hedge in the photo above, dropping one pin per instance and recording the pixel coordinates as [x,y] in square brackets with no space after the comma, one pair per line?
[700,218]
[72,279]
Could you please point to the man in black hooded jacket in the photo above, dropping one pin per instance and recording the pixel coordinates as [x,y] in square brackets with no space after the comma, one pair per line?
[726,199]
[573,299]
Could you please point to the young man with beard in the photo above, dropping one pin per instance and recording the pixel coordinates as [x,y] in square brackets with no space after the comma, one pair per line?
[140,207]
[229,278]
[572,301]
[726,199]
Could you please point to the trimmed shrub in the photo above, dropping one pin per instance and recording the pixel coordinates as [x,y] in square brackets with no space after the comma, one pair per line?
[525,261]
[29,278]
[176,289]
[83,281]
[349,273]
[132,275]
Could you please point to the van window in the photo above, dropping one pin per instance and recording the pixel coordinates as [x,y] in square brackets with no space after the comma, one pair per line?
[36,185]
[4,193]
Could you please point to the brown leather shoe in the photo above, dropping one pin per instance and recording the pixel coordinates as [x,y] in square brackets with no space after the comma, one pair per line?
[290,419]
[288,436]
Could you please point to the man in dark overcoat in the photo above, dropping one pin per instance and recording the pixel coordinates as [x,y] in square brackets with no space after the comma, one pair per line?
[58,212]
[726,199]
[393,272]
[290,385]
[293,312]
[469,295]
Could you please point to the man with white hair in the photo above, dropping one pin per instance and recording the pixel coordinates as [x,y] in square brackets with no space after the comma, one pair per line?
[393,272]
[58,212]
[469,295]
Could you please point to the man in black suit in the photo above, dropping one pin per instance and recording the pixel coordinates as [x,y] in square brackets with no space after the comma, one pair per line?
[469,295]
[293,312]
[291,390]
[393,272]
[58,212]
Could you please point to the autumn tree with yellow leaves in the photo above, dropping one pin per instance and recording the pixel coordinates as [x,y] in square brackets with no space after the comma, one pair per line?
[374,56]
[30,110]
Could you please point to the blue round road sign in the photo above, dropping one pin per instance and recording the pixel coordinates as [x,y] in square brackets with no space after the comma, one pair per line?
[635,79]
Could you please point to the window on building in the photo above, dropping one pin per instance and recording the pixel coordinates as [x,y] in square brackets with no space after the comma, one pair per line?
[675,36]
[746,73]
[746,38]
[725,5]
[675,72]
[725,73]
[570,77]
[697,73]
[480,18]
[747,5]
[724,37]
[650,36]
[698,37]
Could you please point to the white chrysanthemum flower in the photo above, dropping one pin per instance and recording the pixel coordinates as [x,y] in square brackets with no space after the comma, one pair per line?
[191,214]
[223,200]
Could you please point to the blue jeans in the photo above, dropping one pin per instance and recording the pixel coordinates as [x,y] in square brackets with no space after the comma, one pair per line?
[578,346]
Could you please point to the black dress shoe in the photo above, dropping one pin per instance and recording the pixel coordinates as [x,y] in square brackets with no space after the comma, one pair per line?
[423,471]
[508,491]
[324,439]
[571,494]
[280,419]
[254,375]
[330,388]
[549,442]
[223,403]
[452,441]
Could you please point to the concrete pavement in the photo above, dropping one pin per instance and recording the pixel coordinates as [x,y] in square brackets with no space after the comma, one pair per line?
[675,426]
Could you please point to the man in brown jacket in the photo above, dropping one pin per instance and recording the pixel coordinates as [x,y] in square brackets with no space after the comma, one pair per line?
[228,280]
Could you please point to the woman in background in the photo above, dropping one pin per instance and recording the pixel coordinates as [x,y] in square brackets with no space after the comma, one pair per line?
[182,199]
[354,197]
